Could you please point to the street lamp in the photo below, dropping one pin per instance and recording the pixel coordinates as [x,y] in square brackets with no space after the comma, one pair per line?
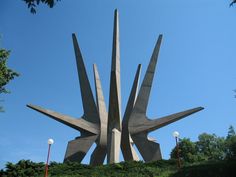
[50,142]
[176,136]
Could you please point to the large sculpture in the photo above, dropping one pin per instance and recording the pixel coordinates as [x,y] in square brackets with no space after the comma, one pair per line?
[106,129]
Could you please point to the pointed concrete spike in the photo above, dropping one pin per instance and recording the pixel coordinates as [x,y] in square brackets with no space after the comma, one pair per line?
[132,97]
[101,106]
[78,124]
[126,146]
[149,150]
[138,114]
[90,110]
[114,113]
[115,66]
[115,95]
[143,95]
[98,156]
[152,125]
[78,148]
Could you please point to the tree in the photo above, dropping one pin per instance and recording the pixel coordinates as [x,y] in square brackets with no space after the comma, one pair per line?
[23,168]
[211,147]
[231,132]
[232,3]
[187,151]
[208,147]
[6,74]
[231,144]
[33,3]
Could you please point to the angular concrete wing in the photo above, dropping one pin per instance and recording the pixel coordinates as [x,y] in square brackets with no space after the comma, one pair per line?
[139,125]
[100,152]
[78,124]
[78,148]
[98,155]
[151,125]
[101,107]
[126,146]
[149,150]
[90,109]
[144,92]
[114,113]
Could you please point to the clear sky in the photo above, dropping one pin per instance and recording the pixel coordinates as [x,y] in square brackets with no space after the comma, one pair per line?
[196,67]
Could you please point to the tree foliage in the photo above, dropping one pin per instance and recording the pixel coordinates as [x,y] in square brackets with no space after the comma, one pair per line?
[32,4]
[208,147]
[6,74]
[231,144]
[211,147]
[24,168]
[232,3]
[162,168]
[187,151]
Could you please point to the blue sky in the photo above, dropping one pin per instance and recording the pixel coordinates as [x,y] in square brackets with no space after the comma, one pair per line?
[196,67]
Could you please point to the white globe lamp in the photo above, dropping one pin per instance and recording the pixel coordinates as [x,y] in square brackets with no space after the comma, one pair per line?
[50,141]
[175,134]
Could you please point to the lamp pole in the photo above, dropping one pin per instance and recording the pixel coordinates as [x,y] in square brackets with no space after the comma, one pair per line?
[50,142]
[176,136]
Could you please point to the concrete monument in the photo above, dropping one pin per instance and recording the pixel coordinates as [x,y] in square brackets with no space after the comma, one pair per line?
[106,129]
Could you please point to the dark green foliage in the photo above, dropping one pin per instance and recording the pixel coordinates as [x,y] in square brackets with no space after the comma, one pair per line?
[123,169]
[231,144]
[187,151]
[209,169]
[232,3]
[24,168]
[33,3]
[231,132]
[6,74]
[163,168]
[211,147]
[208,147]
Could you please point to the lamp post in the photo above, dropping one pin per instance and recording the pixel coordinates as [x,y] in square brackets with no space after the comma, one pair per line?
[176,136]
[50,142]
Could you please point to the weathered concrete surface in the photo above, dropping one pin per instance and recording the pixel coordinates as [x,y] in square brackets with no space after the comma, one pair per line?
[98,155]
[101,107]
[126,145]
[96,125]
[115,145]
[148,125]
[149,150]
[89,124]
[78,124]
[89,106]
[139,125]
[114,113]
[78,148]
[100,152]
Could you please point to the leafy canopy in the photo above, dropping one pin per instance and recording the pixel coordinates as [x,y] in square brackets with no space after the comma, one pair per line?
[33,3]
[208,147]
[6,74]
[232,3]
